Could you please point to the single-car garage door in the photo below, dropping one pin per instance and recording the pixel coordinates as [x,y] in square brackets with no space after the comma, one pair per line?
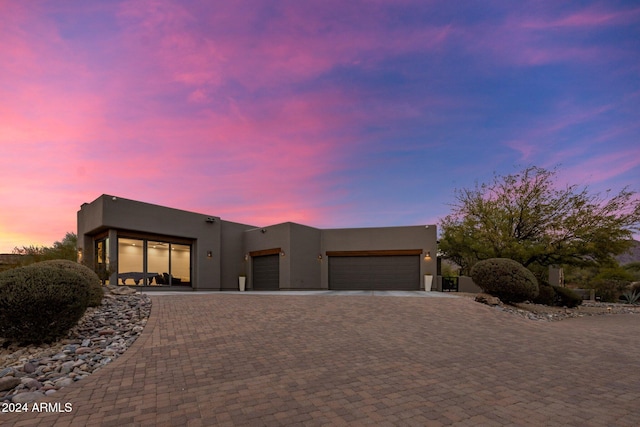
[266,272]
[364,271]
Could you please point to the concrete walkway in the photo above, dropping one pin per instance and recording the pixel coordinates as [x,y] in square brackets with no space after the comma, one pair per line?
[417,294]
[228,359]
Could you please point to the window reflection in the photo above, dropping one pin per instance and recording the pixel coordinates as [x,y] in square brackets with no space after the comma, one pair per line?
[157,262]
[130,262]
[102,260]
[153,263]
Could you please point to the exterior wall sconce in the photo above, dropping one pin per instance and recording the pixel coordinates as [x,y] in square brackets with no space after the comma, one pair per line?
[281,253]
[264,230]
[246,257]
[210,220]
[209,254]
[427,255]
[319,257]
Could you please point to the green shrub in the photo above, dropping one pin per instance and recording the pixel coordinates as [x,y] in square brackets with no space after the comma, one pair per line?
[567,297]
[505,279]
[610,290]
[40,302]
[631,297]
[546,295]
[96,293]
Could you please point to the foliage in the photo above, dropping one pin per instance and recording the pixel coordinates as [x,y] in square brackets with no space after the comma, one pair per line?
[546,295]
[96,293]
[64,249]
[610,290]
[580,277]
[39,303]
[505,279]
[610,283]
[446,269]
[631,297]
[633,268]
[566,297]
[525,217]
[614,273]
[104,271]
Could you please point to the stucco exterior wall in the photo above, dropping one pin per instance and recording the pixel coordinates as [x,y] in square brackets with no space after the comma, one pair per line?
[305,266]
[274,236]
[129,216]
[223,250]
[382,238]
[232,262]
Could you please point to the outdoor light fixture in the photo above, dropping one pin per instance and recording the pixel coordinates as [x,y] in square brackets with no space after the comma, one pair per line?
[427,255]
[210,220]
[319,256]
[264,230]
[209,254]
[281,253]
[246,257]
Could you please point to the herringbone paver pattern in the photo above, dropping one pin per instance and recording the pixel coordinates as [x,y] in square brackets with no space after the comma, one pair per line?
[327,360]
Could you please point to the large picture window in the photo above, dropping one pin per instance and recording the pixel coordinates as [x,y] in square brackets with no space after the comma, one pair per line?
[153,262]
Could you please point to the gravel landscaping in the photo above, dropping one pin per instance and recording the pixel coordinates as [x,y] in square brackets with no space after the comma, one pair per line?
[104,333]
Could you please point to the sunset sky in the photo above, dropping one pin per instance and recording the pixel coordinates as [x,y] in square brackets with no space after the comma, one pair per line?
[328,113]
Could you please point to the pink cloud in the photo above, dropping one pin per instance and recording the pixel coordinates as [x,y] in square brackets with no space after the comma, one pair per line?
[529,37]
[295,43]
[542,136]
[600,169]
[594,16]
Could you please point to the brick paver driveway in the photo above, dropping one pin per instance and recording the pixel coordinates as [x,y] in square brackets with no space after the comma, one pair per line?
[221,359]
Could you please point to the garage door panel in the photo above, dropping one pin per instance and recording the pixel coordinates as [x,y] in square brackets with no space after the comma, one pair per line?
[374,273]
[266,272]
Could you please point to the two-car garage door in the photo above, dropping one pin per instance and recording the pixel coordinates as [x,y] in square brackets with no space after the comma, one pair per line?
[374,270]
[350,270]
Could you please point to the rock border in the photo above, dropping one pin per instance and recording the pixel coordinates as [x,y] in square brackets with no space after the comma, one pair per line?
[101,336]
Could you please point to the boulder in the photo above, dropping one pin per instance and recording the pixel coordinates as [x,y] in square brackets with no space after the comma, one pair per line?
[121,290]
[29,396]
[8,383]
[488,299]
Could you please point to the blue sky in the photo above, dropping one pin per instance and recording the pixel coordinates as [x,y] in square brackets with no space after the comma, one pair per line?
[328,113]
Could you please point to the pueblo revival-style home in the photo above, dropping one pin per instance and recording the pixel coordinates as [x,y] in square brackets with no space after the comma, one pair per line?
[141,244]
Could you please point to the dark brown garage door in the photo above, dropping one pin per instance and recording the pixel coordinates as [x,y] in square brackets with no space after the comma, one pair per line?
[378,273]
[266,272]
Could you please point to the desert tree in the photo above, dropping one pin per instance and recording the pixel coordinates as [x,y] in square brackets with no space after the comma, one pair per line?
[526,217]
[63,249]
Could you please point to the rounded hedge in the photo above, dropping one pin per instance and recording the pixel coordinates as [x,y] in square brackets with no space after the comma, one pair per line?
[505,279]
[96,292]
[546,295]
[567,297]
[40,302]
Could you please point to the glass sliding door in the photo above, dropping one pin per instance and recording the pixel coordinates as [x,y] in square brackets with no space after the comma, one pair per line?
[153,262]
[131,262]
[157,262]
[180,264]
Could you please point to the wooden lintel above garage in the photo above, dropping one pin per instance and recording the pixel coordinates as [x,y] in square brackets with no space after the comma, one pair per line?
[273,251]
[390,252]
